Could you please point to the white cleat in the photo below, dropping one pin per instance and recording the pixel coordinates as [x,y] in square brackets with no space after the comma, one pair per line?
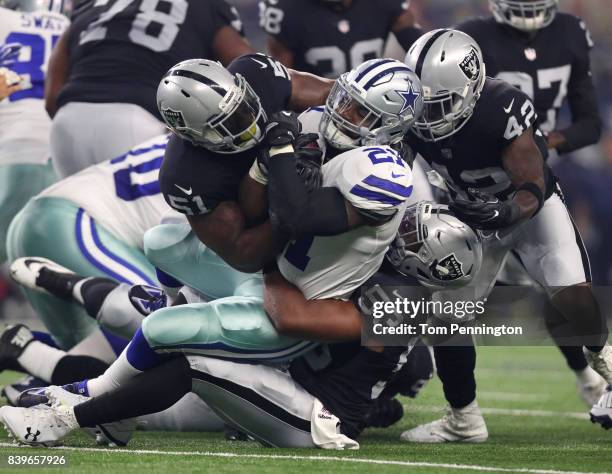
[590,386]
[462,425]
[602,411]
[601,362]
[38,426]
[26,271]
[113,434]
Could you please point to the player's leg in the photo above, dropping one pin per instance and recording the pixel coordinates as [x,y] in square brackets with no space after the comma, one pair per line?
[235,328]
[552,251]
[87,249]
[18,183]
[105,131]
[177,251]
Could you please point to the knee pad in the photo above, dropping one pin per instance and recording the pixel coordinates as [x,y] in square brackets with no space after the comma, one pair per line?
[180,325]
[167,244]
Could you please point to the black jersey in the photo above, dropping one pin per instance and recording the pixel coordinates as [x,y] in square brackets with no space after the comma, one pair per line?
[548,65]
[195,180]
[472,157]
[326,42]
[119,50]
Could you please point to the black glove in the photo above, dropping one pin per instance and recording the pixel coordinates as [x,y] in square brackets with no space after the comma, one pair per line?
[282,129]
[485,211]
[308,160]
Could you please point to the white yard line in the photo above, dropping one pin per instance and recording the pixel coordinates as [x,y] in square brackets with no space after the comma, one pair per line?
[506,411]
[280,457]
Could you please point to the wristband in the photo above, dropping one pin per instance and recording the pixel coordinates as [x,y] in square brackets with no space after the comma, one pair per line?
[256,174]
[536,191]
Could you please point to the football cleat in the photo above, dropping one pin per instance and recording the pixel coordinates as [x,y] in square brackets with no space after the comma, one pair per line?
[233,434]
[44,275]
[602,411]
[384,412]
[13,341]
[113,434]
[459,425]
[13,392]
[601,362]
[590,386]
[38,426]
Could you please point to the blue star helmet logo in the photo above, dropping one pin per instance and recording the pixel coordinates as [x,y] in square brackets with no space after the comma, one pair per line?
[410,98]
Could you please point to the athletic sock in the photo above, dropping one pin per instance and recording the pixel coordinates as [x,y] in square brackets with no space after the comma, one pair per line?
[71,368]
[40,360]
[92,292]
[456,366]
[150,392]
[118,373]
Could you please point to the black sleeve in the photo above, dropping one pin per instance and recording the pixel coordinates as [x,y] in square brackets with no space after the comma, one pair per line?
[586,124]
[193,181]
[268,77]
[407,36]
[224,14]
[295,211]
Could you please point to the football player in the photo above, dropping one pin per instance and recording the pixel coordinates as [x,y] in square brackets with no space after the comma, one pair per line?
[330,37]
[27,35]
[503,186]
[106,67]
[545,53]
[303,407]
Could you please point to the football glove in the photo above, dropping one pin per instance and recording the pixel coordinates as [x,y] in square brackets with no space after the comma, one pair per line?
[485,211]
[282,129]
[308,160]
[9,52]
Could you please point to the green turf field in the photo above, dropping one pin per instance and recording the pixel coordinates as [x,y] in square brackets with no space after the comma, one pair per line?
[536,422]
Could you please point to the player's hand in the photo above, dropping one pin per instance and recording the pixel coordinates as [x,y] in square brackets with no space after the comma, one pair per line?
[282,129]
[308,160]
[485,211]
[554,140]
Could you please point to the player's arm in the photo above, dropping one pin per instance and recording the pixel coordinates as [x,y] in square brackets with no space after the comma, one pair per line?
[308,90]
[280,51]
[224,231]
[586,124]
[317,320]
[405,27]
[228,45]
[57,73]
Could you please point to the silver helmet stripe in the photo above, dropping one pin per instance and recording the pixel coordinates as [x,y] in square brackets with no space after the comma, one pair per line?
[425,50]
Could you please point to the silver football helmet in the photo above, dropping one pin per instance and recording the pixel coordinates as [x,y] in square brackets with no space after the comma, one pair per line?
[525,15]
[204,103]
[450,66]
[375,103]
[435,247]
[57,6]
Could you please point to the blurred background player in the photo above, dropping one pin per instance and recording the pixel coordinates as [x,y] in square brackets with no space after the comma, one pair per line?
[104,73]
[330,37]
[28,34]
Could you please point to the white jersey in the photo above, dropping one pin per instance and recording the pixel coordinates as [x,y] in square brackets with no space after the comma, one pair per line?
[121,194]
[24,123]
[374,180]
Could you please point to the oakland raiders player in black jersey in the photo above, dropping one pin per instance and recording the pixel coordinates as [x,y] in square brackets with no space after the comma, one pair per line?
[479,134]
[330,37]
[211,152]
[105,69]
[545,53]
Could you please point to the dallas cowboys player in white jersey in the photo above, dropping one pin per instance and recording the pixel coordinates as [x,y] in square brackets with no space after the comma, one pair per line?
[25,170]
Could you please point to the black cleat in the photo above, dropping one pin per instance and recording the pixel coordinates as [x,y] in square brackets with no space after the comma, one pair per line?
[384,413]
[232,434]
[13,341]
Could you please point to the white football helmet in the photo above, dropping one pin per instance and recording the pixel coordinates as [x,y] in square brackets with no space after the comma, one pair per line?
[435,247]
[373,104]
[525,15]
[451,68]
[204,103]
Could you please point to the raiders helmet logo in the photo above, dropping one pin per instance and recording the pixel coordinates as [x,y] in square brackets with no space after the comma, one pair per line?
[173,118]
[453,268]
[471,65]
